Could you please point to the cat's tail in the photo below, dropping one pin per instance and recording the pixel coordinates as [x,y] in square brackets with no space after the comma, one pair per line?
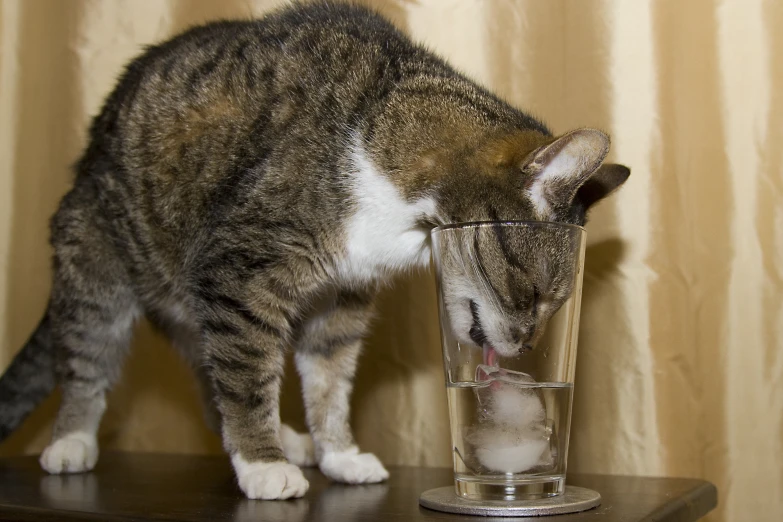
[28,380]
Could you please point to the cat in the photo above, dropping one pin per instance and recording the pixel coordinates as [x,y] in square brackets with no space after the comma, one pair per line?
[248,186]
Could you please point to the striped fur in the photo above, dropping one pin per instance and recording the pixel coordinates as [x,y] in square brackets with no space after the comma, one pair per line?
[248,186]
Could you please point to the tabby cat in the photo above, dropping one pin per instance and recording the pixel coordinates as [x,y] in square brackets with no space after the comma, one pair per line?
[248,186]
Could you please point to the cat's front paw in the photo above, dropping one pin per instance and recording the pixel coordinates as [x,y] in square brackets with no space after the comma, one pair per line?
[353,467]
[297,447]
[74,453]
[269,480]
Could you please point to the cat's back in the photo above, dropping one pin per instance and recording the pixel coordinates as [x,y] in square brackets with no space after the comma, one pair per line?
[209,124]
[233,95]
[237,69]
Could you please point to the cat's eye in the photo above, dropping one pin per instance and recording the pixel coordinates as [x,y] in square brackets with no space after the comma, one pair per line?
[536,296]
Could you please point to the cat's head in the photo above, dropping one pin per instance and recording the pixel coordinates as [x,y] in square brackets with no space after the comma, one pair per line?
[501,286]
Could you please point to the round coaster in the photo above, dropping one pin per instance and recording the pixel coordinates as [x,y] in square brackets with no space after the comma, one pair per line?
[573,500]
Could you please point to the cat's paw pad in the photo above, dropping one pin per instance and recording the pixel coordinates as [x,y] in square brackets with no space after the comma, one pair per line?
[297,447]
[353,467]
[270,480]
[73,453]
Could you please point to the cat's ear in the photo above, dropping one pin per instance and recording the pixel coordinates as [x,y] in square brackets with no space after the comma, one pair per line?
[601,183]
[558,170]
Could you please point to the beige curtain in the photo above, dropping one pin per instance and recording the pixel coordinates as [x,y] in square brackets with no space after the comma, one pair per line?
[680,366]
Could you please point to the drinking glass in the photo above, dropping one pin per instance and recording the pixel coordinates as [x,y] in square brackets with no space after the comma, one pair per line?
[509,296]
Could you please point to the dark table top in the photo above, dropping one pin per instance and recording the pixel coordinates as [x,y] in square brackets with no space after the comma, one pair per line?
[128,486]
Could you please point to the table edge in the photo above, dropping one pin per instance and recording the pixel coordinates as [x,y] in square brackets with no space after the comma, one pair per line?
[692,505]
[30,514]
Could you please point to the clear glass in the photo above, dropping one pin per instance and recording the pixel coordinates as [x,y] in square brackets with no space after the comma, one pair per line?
[509,295]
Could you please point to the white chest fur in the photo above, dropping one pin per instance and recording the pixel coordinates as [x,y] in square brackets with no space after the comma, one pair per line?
[383,235]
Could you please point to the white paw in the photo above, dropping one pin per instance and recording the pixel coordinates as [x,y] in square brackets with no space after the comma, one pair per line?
[297,447]
[269,480]
[353,467]
[73,453]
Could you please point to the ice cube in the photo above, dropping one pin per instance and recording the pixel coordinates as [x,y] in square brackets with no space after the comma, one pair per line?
[504,453]
[493,373]
[511,436]
[516,408]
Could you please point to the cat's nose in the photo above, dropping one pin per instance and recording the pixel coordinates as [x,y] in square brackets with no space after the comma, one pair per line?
[519,338]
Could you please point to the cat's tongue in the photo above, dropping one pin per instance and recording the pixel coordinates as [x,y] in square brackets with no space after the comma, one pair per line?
[490,355]
[490,366]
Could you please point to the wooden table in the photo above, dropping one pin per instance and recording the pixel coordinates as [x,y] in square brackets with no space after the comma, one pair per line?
[138,487]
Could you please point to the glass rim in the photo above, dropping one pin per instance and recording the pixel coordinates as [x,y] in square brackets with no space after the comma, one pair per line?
[510,222]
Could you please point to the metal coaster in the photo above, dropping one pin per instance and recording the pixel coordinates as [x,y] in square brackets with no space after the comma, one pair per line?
[573,500]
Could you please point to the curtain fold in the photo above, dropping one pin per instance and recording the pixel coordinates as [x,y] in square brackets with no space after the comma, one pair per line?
[680,367]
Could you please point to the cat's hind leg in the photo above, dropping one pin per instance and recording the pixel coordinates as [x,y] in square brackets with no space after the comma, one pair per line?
[327,351]
[92,317]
